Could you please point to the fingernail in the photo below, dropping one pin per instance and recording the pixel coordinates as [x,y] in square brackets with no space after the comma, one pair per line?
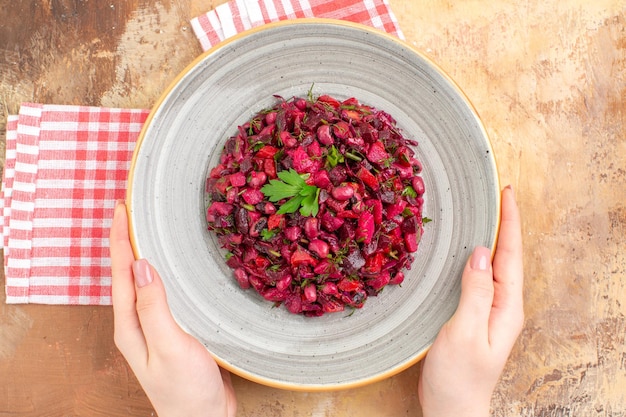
[510,187]
[142,273]
[480,259]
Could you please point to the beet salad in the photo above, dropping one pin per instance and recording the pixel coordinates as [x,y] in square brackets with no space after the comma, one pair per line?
[318,203]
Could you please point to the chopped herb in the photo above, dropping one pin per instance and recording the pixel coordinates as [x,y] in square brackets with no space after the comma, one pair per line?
[268,234]
[334,157]
[409,191]
[353,156]
[309,94]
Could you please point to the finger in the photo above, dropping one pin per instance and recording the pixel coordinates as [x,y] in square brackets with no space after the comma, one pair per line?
[472,315]
[231,400]
[128,334]
[161,331]
[508,310]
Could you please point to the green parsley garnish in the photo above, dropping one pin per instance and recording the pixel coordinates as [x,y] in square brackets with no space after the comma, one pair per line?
[293,186]
[333,157]
[409,191]
[267,234]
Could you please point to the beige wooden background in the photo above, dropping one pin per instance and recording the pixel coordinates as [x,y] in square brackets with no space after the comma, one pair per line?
[548,79]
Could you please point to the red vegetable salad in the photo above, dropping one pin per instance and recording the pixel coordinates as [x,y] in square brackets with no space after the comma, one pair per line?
[318,203]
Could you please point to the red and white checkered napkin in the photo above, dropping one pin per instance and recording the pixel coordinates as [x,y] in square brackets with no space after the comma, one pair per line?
[67,165]
[65,168]
[233,17]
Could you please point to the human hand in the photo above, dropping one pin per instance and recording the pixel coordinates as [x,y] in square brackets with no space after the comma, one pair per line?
[176,371]
[464,363]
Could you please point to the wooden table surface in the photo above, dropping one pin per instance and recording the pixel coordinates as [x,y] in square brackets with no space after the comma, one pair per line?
[548,79]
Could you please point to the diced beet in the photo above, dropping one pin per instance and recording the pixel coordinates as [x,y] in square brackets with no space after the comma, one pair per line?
[232,195]
[269,167]
[321,179]
[347,232]
[353,261]
[368,178]
[397,279]
[288,140]
[355,142]
[374,263]
[314,150]
[377,153]
[337,175]
[302,163]
[336,205]
[238,179]
[275,221]
[329,288]
[331,223]
[222,209]
[410,241]
[324,266]
[252,196]
[349,285]
[266,152]
[274,294]
[329,100]
[266,132]
[377,210]
[218,171]
[405,172]
[409,225]
[331,305]
[257,179]
[388,197]
[302,257]
[242,278]
[365,229]
[348,214]
[221,185]
[404,155]
[380,281]
[396,208]
[294,303]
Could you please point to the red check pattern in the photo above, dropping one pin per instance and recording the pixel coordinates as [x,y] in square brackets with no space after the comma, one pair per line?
[233,17]
[67,165]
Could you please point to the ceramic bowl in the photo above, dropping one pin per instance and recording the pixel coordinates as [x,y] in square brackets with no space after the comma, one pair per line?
[183,138]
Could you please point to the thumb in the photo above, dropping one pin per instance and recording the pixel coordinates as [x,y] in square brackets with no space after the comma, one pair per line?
[472,314]
[159,327]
